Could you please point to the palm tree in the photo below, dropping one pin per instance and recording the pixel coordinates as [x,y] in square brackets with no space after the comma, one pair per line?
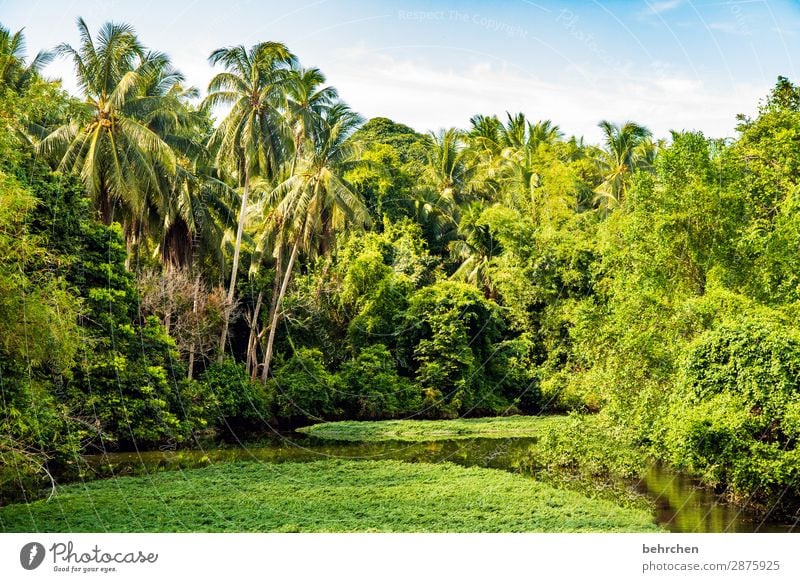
[196,203]
[543,132]
[118,157]
[252,139]
[316,201]
[447,169]
[503,154]
[173,210]
[622,155]
[13,70]
[437,216]
[306,102]
[474,249]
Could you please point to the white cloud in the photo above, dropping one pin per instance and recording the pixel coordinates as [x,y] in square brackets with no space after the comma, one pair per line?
[727,27]
[427,98]
[663,6]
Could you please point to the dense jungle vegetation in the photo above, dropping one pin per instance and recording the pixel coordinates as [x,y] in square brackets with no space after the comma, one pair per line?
[256,255]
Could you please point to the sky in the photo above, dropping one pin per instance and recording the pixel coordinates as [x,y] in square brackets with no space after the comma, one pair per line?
[668,64]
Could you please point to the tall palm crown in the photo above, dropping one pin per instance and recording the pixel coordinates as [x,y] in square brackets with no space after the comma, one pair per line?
[316,201]
[13,70]
[447,170]
[252,138]
[306,101]
[119,157]
[623,154]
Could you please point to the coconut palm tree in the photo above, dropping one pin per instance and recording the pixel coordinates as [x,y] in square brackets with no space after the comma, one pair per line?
[306,101]
[447,169]
[172,210]
[474,249]
[316,201]
[543,132]
[13,70]
[109,144]
[196,203]
[252,139]
[622,155]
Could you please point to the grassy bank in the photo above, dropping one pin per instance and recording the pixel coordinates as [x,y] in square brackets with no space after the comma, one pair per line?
[589,443]
[432,430]
[325,496]
[589,454]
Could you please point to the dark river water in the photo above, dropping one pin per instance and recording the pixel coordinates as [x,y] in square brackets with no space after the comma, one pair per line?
[681,504]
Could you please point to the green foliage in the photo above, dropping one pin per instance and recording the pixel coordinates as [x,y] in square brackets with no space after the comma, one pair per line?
[738,422]
[236,400]
[378,271]
[39,345]
[449,336]
[409,145]
[304,389]
[372,389]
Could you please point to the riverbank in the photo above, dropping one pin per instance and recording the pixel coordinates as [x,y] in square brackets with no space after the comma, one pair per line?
[432,430]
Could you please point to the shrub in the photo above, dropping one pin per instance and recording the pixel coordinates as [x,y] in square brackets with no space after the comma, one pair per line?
[737,420]
[304,388]
[373,388]
[447,341]
[236,400]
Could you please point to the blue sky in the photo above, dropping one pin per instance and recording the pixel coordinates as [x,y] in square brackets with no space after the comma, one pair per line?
[671,64]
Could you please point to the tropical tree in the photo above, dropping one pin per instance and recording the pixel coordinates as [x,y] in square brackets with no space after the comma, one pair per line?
[14,72]
[197,204]
[316,201]
[506,156]
[545,132]
[624,152]
[119,158]
[474,249]
[252,140]
[447,170]
[307,100]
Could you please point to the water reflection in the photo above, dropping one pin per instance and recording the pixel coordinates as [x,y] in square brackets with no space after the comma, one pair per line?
[681,504]
[684,505]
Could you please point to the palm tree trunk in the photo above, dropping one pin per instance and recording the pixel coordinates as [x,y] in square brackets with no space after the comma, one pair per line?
[276,311]
[235,268]
[253,339]
[276,288]
[194,312]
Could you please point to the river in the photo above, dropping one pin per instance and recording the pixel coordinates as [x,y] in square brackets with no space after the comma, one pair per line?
[679,502]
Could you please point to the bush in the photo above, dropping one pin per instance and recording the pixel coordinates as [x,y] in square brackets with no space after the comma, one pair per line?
[235,400]
[448,339]
[737,420]
[304,388]
[516,381]
[372,387]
